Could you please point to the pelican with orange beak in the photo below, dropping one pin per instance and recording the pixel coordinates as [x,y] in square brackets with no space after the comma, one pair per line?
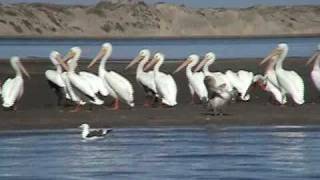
[12,89]
[290,83]
[165,84]
[219,77]
[315,72]
[196,79]
[145,79]
[118,86]
[270,80]
[78,86]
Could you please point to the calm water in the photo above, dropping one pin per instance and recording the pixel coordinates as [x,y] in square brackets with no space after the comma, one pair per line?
[164,153]
[173,48]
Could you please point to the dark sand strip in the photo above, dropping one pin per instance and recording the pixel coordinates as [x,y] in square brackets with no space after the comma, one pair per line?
[37,109]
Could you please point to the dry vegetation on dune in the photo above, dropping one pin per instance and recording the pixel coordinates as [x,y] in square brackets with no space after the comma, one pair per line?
[137,19]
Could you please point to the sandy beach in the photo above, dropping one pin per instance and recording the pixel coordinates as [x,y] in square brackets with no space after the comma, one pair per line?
[38,110]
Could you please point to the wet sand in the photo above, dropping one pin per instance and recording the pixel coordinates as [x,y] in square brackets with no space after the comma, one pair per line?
[37,108]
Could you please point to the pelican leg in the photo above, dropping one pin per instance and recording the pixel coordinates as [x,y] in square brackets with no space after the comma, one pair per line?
[193,99]
[116,104]
[147,102]
[77,108]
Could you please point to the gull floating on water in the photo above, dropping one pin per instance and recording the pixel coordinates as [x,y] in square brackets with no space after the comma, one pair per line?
[93,134]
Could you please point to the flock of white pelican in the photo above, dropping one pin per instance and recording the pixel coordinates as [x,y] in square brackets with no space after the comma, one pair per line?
[213,88]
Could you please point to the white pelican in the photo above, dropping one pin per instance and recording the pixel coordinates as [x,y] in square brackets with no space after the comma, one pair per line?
[54,77]
[289,81]
[78,85]
[119,87]
[12,88]
[315,73]
[145,79]
[241,81]
[195,79]
[270,81]
[220,78]
[165,84]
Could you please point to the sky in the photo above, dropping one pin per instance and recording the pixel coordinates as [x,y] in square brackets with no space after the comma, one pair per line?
[193,3]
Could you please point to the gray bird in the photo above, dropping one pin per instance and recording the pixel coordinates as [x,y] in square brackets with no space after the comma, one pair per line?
[218,96]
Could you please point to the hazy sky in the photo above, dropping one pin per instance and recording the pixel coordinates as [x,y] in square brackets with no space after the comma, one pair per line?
[193,3]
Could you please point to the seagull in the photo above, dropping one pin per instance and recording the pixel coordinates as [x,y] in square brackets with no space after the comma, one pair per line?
[218,96]
[93,134]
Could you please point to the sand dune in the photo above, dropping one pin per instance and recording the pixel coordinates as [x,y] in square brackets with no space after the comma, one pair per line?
[137,19]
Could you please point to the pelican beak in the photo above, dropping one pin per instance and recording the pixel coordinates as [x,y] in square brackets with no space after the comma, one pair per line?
[101,53]
[150,64]
[184,64]
[274,53]
[62,63]
[314,57]
[69,56]
[134,61]
[24,70]
[201,64]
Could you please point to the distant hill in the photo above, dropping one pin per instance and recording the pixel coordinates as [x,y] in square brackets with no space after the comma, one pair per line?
[125,18]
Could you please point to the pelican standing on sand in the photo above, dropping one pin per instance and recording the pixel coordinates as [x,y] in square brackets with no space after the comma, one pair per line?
[289,81]
[145,79]
[315,73]
[220,78]
[79,87]
[195,79]
[118,86]
[54,77]
[12,88]
[165,84]
[270,81]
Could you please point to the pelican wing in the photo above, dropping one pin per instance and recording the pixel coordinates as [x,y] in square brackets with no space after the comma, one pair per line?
[95,83]
[246,78]
[120,85]
[82,87]
[293,84]
[315,76]
[197,82]
[168,89]
[147,79]
[55,78]
[12,91]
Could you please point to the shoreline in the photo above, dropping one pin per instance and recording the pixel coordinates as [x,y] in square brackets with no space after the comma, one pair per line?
[57,37]
[38,110]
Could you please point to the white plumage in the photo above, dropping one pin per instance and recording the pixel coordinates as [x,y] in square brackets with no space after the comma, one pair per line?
[13,88]
[165,84]
[118,86]
[195,79]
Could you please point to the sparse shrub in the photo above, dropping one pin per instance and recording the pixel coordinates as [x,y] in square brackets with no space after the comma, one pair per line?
[16,27]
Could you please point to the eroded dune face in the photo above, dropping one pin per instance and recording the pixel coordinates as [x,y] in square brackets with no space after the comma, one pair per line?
[135,19]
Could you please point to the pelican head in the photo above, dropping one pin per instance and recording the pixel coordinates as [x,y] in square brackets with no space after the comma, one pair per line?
[143,54]
[192,59]
[105,52]
[209,58]
[74,53]
[315,56]
[281,49]
[158,58]
[57,60]
[53,57]
[17,65]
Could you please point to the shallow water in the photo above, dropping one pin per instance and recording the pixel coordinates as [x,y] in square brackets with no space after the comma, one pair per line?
[173,48]
[164,153]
